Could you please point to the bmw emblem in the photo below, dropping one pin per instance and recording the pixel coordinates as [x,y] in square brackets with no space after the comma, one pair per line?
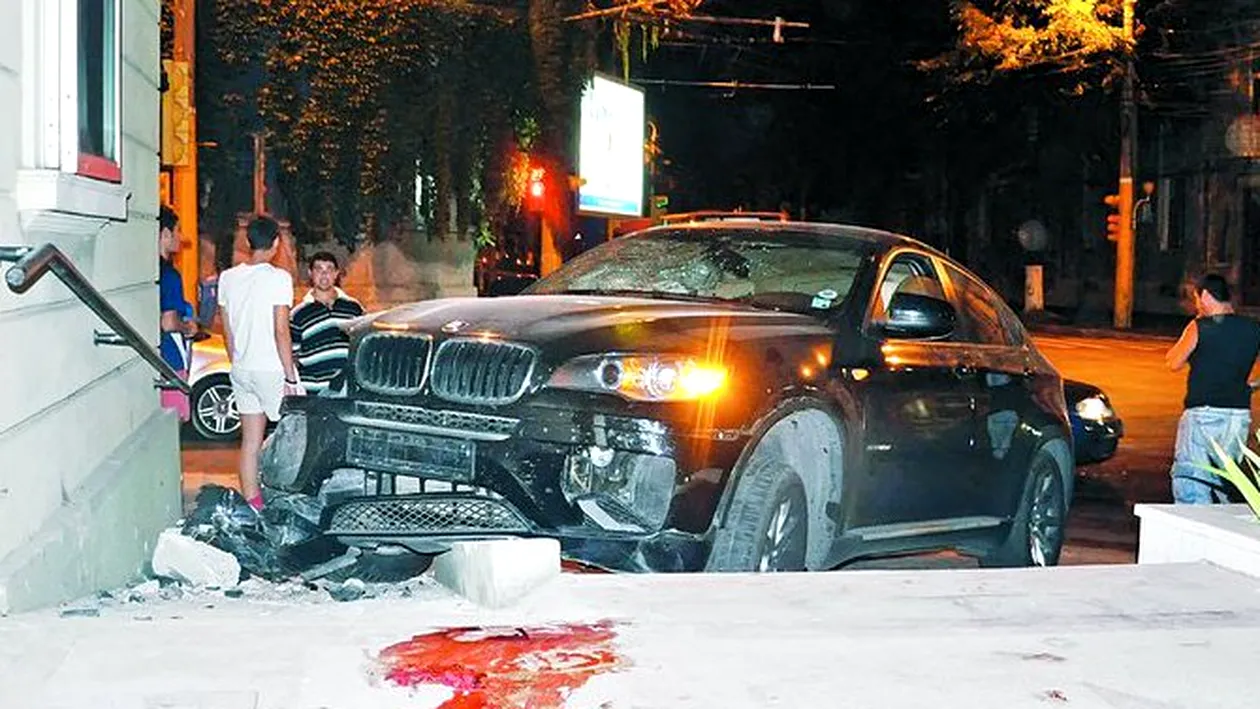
[454,326]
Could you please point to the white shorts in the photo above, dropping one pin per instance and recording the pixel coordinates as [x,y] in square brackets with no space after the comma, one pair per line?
[258,392]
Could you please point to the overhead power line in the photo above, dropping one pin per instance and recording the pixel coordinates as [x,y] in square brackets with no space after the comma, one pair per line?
[736,85]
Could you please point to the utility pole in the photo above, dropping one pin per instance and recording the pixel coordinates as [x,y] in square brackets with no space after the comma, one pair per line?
[1125,246]
[260,174]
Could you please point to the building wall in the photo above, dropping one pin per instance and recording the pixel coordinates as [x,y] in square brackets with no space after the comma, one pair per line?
[89,464]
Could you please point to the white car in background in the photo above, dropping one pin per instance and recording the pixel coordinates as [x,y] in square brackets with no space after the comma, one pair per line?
[214,415]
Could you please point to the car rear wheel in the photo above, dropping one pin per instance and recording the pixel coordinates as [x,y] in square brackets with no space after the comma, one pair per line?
[767,526]
[1037,532]
[214,416]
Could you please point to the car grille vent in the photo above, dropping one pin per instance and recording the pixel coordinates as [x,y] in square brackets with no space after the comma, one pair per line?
[392,363]
[444,419]
[481,372]
[426,514]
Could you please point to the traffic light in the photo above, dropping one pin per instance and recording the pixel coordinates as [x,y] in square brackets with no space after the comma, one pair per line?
[1113,218]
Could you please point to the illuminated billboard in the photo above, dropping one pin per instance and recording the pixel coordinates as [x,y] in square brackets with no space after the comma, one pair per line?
[610,149]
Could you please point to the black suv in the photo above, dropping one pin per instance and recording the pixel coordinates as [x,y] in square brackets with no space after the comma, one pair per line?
[731,396]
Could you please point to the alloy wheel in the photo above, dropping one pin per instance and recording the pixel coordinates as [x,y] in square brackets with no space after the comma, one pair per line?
[216,410]
[783,547]
[1045,518]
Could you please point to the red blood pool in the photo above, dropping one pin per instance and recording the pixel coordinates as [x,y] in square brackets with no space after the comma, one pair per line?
[504,667]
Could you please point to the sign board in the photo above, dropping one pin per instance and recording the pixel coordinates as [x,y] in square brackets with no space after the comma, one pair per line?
[610,149]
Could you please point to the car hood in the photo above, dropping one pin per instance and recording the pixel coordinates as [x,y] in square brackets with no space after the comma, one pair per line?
[209,356]
[569,324]
[1074,390]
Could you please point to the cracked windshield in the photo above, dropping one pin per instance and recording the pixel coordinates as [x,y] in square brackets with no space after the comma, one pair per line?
[793,271]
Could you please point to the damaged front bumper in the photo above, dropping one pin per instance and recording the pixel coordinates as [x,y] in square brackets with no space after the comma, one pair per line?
[618,491]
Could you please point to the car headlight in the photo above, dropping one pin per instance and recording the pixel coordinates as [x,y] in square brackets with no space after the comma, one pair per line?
[1094,408]
[642,377]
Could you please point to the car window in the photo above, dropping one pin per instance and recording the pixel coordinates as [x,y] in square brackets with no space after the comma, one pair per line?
[980,310]
[908,273]
[1015,333]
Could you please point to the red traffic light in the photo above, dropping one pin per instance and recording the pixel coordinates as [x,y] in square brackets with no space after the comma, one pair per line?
[537,188]
[1116,219]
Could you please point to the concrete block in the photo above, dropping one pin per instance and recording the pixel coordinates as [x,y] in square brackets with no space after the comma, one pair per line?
[1225,535]
[497,573]
[186,559]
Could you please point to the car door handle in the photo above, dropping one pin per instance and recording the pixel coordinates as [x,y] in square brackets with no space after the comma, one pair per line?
[964,369]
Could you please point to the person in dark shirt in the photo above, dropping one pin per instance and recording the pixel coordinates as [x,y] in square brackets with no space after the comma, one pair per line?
[174,326]
[1221,348]
[320,346]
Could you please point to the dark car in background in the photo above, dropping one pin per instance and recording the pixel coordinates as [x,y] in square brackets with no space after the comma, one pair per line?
[498,273]
[725,396]
[1096,428]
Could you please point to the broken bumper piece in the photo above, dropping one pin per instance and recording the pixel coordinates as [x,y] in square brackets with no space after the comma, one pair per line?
[421,478]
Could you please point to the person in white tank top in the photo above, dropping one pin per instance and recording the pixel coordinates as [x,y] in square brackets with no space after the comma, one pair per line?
[255,297]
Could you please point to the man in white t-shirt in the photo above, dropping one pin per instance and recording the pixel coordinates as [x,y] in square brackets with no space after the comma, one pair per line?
[255,297]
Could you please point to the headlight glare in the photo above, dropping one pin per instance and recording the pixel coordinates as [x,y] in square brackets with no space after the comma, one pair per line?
[1094,408]
[643,377]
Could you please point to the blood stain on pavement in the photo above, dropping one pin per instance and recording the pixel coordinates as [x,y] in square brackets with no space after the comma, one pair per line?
[504,667]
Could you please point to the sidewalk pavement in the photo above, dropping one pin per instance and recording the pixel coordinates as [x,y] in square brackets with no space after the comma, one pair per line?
[1155,636]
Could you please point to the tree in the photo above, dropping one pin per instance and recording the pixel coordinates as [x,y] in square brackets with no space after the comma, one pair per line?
[359,99]
[1003,36]
[367,103]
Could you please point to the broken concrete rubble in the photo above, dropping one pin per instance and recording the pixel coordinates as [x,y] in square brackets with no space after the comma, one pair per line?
[190,561]
[351,590]
[154,592]
[284,543]
[146,591]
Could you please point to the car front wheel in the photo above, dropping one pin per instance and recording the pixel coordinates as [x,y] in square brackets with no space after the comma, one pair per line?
[1037,532]
[214,416]
[767,525]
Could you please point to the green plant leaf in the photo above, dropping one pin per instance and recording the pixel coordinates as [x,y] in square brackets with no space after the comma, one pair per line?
[1234,473]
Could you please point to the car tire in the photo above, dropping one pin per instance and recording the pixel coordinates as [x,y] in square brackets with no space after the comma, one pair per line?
[1038,529]
[372,567]
[767,525]
[212,406]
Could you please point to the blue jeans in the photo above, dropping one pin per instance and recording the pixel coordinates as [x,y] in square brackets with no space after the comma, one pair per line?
[1198,427]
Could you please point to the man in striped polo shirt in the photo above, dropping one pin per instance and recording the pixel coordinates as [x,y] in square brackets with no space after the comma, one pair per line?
[319,345]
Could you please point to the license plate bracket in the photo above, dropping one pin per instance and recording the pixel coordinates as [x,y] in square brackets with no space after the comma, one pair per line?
[408,453]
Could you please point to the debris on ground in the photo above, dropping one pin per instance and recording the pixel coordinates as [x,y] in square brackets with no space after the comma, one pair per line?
[350,590]
[147,591]
[226,551]
[194,562]
[80,612]
[133,600]
[281,541]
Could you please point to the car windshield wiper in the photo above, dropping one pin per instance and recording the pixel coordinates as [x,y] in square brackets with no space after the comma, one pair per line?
[632,293]
[786,302]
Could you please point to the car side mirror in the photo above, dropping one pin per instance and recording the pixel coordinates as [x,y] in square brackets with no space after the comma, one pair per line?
[919,316]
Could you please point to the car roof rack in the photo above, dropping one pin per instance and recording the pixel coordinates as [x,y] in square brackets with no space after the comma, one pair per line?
[719,216]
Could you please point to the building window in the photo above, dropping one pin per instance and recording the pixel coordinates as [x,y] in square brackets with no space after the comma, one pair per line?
[71,112]
[98,84]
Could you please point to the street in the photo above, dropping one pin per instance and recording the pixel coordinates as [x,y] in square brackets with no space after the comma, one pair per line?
[1101,526]
[1147,397]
